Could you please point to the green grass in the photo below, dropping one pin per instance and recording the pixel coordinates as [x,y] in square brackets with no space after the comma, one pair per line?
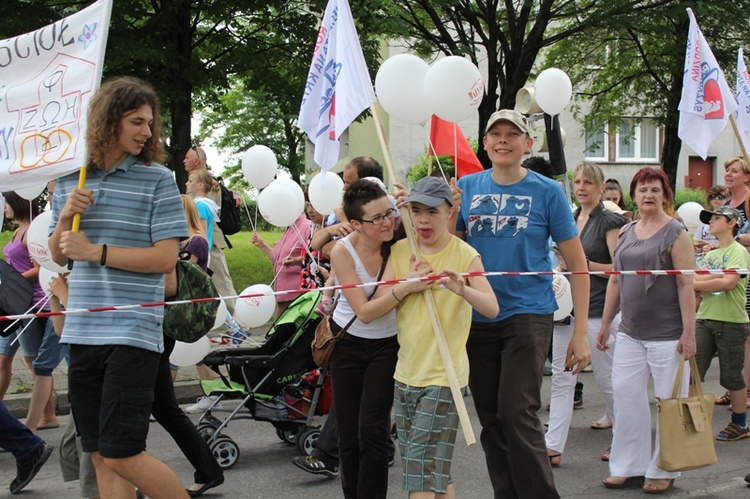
[247,264]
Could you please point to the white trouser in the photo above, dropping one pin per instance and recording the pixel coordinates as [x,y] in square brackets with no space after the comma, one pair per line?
[601,361]
[634,362]
[221,278]
[563,389]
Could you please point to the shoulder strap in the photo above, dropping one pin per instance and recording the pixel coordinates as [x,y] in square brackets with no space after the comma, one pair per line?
[351,321]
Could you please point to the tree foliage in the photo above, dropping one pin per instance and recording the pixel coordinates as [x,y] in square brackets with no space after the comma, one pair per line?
[635,67]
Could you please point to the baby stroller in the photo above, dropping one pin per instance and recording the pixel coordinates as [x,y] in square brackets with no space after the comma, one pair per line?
[277,382]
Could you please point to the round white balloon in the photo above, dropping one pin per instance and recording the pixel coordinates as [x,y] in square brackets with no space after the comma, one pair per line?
[299,194]
[690,213]
[45,278]
[553,90]
[189,354]
[221,315]
[325,192]
[38,242]
[257,310]
[564,297]
[31,193]
[277,203]
[399,85]
[259,166]
[453,88]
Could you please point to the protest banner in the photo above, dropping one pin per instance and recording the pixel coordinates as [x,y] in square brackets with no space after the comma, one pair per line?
[47,78]
[338,86]
[707,102]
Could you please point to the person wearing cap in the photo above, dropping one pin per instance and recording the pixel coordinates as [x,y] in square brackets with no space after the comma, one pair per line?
[508,214]
[426,415]
[721,320]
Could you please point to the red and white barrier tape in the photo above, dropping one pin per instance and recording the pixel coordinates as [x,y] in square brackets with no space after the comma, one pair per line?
[389,282]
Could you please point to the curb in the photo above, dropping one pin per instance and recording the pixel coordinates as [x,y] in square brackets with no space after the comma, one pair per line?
[18,405]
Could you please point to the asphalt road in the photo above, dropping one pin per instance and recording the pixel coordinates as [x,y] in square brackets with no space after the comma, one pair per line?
[264,469]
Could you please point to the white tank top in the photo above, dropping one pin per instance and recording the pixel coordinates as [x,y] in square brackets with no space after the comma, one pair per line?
[382,327]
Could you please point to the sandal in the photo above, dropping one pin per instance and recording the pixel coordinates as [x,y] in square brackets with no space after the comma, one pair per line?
[623,482]
[723,400]
[605,456]
[600,425]
[555,459]
[658,485]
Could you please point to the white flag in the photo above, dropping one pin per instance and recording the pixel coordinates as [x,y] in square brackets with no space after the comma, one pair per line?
[707,100]
[338,86]
[47,78]
[743,100]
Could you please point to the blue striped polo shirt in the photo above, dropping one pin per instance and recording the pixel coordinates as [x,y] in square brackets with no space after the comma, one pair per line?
[135,206]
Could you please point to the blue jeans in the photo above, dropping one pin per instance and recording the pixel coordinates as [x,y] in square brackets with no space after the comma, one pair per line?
[14,436]
[50,353]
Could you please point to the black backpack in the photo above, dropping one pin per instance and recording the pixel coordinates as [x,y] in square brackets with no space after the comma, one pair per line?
[230,213]
[15,295]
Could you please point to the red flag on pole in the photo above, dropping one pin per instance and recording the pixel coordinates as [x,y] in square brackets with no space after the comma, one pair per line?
[447,139]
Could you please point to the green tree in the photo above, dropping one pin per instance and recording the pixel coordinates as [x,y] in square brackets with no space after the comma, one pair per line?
[635,67]
[506,37]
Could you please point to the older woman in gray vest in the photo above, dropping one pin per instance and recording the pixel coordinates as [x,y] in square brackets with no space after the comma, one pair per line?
[657,328]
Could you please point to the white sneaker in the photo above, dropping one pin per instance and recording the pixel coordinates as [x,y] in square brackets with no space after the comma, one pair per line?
[203,404]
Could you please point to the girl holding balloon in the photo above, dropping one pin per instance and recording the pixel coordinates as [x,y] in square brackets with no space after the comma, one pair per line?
[16,253]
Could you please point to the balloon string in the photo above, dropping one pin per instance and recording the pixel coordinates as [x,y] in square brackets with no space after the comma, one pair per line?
[43,302]
[247,211]
[437,158]
[305,246]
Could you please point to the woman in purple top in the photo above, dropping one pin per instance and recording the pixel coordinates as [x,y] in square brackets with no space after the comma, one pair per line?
[16,253]
[656,330]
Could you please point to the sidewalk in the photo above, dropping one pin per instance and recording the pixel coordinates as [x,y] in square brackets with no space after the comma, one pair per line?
[187,389]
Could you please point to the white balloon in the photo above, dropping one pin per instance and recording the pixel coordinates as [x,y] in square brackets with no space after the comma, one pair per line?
[296,189]
[255,311]
[33,192]
[453,88]
[564,297]
[690,213]
[221,315]
[277,203]
[189,354]
[38,242]
[399,85]
[259,166]
[45,278]
[325,192]
[553,90]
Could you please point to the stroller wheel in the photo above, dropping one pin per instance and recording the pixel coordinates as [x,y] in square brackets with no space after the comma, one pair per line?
[226,451]
[287,436]
[207,431]
[306,440]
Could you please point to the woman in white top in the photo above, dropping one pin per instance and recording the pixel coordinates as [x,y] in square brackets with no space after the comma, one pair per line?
[363,363]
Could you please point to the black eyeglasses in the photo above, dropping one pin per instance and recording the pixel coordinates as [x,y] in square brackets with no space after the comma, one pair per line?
[379,219]
[716,196]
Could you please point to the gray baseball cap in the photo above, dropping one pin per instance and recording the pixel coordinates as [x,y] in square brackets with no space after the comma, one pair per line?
[726,211]
[430,191]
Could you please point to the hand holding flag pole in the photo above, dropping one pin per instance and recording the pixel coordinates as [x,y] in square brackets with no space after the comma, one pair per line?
[77,217]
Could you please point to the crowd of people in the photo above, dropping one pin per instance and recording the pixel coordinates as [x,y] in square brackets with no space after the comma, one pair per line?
[388,373]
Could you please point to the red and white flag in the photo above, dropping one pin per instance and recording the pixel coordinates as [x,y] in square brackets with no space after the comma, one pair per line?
[446,138]
[707,101]
[338,86]
[743,100]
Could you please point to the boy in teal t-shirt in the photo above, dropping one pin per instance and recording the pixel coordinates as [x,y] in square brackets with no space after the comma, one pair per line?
[721,319]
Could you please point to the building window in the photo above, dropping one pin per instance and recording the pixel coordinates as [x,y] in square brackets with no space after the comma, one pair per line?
[637,141]
[596,144]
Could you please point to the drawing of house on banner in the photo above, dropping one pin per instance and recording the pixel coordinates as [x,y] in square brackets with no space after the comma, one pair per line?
[49,128]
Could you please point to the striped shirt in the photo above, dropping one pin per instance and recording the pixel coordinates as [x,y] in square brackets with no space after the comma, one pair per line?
[135,206]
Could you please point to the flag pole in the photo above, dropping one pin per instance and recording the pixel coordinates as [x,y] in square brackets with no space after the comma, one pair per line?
[739,138]
[450,370]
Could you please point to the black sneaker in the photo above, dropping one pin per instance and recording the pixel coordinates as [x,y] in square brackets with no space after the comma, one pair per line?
[29,467]
[391,461]
[578,396]
[315,466]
